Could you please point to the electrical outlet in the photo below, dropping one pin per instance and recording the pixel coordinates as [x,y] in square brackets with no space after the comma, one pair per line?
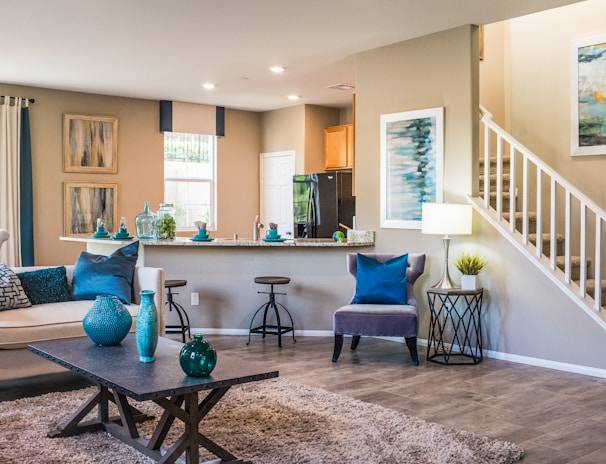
[195,299]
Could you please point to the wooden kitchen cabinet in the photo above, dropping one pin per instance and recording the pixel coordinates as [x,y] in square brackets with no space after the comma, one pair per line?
[339,147]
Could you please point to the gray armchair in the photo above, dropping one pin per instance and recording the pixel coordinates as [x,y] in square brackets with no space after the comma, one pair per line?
[381,320]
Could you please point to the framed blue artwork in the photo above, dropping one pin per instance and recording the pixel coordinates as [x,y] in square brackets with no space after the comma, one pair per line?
[588,96]
[412,165]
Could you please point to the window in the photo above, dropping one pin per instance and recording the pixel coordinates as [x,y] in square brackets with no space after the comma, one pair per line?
[189,177]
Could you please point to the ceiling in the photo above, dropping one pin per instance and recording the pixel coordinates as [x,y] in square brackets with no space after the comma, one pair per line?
[161,49]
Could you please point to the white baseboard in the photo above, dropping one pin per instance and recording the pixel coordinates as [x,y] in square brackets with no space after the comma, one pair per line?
[560,366]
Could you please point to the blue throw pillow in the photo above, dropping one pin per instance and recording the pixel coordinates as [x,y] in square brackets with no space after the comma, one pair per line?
[381,283]
[46,285]
[106,275]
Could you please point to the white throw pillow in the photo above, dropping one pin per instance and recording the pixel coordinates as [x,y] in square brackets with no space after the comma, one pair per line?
[12,295]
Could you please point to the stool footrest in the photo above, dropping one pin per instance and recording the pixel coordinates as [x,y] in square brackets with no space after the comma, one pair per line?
[176,328]
[271,329]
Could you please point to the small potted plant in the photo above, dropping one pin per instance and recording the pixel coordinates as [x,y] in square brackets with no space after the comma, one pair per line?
[470,265]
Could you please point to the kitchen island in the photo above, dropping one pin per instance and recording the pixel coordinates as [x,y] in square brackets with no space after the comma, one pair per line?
[222,272]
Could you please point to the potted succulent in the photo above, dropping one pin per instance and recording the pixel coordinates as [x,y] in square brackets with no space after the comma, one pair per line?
[470,265]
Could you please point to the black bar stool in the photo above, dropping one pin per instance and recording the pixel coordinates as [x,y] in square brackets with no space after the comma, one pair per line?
[265,328]
[172,304]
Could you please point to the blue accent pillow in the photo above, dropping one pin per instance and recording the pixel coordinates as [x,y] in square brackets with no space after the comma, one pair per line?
[381,283]
[46,285]
[106,275]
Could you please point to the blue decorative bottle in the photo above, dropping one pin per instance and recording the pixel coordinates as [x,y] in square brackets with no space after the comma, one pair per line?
[147,327]
[107,321]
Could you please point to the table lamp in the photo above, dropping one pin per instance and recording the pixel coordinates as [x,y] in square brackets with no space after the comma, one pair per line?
[445,219]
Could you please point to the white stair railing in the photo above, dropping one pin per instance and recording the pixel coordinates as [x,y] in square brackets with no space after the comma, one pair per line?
[568,224]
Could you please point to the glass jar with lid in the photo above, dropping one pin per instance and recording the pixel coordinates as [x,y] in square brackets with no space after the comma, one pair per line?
[167,226]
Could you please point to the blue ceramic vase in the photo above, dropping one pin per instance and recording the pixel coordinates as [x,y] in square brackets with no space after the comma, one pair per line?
[147,327]
[198,358]
[107,322]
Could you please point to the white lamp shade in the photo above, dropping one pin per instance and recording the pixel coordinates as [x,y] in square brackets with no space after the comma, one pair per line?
[446,219]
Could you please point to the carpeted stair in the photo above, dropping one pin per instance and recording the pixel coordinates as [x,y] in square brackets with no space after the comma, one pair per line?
[575,261]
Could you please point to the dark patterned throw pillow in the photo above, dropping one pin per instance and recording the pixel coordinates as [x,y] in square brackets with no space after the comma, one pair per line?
[47,285]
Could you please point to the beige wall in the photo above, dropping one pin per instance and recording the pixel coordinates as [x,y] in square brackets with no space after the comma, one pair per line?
[495,88]
[140,171]
[283,130]
[299,128]
[433,71]
[238,174]
[526,315]
[540,89]
[439,70]
[140,164]
[316,119]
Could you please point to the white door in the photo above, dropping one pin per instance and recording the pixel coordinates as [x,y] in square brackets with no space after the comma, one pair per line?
[277,169]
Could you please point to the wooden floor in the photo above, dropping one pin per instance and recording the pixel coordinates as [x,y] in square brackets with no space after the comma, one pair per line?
[557,417]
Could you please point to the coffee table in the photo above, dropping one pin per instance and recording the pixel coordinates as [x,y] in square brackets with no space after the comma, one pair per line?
[119,375]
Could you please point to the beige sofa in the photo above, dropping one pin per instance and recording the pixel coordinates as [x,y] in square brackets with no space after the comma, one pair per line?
[19,327]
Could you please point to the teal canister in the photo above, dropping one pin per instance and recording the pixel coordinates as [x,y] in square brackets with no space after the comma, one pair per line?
[146,332]
[198,358]
[107,322]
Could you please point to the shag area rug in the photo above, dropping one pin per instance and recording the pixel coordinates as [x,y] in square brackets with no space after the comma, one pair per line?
[273,421]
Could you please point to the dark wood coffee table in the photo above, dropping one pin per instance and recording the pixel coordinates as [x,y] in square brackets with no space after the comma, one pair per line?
[119,375]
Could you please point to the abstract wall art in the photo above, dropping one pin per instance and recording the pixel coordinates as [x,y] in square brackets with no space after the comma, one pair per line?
[85,202]
[588,96]
[90,144]
[412,165]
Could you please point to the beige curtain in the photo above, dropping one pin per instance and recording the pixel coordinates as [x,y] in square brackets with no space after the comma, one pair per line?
[10,124]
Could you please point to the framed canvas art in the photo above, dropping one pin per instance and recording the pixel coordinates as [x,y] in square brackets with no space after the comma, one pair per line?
[588,96]
[90,144]
[85,202]
[412,165]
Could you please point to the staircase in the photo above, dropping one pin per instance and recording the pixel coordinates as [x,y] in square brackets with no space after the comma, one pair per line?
[552,223]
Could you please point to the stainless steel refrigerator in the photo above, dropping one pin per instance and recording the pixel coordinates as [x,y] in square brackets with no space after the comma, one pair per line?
[322,202]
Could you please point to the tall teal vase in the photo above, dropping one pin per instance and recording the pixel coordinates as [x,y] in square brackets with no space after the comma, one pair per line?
[147,327]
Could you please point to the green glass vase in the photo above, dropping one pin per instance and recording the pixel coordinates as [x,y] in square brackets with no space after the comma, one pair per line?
[198,358]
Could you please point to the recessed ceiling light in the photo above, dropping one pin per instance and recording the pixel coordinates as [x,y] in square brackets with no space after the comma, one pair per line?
[277,69]
[293,97]
[341,86]
[208,85]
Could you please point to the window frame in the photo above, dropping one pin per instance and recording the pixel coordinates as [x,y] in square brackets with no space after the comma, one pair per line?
[212,181]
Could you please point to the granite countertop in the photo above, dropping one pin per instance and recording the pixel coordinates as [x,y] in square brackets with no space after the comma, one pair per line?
[228,242]
[248,242]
